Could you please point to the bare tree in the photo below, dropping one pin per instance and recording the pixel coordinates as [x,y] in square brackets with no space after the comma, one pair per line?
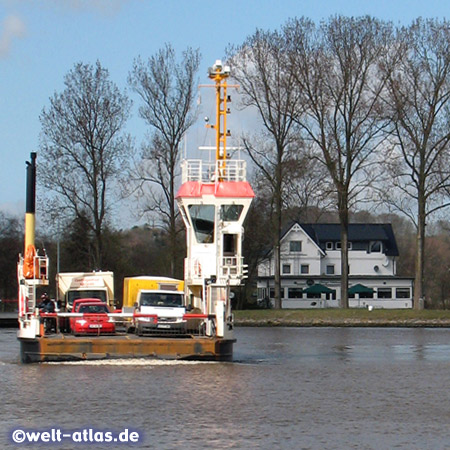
[418,100]
[307,189]
[260,67]
[83,149]
[167,91]
[11,237]
[336,67]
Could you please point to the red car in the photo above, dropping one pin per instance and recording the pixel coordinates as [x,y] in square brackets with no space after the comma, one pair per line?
[95,319]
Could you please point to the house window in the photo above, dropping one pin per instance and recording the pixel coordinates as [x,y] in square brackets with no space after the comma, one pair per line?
[272,293]
[375,247]
[384,293]
[329,246]
[286,269]
[366,295]
[330,269]
[304,268]
[339,246]
[295,246]
[403,293]
[295,292]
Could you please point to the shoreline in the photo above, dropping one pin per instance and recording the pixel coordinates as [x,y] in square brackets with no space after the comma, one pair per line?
[348,323]
[395,318]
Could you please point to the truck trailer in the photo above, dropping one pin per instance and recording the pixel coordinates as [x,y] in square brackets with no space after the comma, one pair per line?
[74,285]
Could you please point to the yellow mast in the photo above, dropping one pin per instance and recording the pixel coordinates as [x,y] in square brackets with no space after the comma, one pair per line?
[219,74]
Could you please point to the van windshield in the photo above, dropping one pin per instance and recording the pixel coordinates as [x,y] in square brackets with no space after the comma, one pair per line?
[161,299]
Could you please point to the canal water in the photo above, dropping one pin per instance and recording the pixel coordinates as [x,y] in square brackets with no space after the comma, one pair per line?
[299,388]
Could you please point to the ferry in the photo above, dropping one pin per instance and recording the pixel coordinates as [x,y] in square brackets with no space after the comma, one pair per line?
[213,199]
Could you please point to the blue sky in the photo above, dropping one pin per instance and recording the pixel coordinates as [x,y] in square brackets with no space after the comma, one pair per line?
[41,40]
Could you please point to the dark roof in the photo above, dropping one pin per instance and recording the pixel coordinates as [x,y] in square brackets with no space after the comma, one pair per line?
[360,289]
[362,232]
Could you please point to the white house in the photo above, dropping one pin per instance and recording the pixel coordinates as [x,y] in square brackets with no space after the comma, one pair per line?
[311,268]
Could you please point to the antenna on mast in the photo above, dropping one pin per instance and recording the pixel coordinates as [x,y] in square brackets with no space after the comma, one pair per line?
[219,74]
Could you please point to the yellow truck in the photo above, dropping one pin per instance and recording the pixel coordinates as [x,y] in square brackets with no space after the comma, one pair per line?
[157,302]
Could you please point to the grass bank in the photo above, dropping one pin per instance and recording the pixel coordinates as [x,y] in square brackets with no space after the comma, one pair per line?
[343,318]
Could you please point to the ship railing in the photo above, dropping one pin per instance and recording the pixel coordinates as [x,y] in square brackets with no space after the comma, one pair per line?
[194,325]
[41,264]
[207,172]
[39,272]
[230,267]
[233,267]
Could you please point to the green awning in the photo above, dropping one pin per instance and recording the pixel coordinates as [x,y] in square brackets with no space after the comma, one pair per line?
[360,289]
[318,289]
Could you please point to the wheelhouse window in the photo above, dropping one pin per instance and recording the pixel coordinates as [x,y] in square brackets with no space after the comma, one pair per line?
[304,268]
[295,246]
[231,213]
[202,217]
[286,269]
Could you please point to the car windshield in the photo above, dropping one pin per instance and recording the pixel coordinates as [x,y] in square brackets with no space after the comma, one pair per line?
[93,309]
[161,299]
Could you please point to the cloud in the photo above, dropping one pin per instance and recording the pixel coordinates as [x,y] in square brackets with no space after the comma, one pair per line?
[12,27]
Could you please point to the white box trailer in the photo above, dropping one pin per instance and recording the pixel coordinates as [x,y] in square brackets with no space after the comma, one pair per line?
[74,285]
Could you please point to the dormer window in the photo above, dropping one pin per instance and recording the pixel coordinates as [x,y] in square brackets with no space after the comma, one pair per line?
[375,247]
[329,246]
[339,246]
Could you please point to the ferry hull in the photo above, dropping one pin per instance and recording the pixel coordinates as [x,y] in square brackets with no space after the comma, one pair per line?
[71,348]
